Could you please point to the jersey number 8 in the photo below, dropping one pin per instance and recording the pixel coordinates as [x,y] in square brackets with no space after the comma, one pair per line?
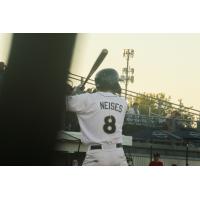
[109,126]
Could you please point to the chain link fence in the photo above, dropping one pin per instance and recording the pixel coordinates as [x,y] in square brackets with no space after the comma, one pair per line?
[182,156]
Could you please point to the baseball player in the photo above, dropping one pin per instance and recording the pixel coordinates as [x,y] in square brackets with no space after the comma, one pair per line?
[101,116]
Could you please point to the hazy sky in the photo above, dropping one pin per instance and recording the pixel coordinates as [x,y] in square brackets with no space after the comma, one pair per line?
[5,41]
[168,63]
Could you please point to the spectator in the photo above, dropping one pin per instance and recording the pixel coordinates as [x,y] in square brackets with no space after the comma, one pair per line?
[156,160]
[134,109]
[133,113]
[173,121]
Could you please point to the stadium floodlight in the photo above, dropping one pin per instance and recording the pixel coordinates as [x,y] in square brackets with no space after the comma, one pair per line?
[128,53]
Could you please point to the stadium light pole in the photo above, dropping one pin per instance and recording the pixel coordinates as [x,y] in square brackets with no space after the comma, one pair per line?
[128,53]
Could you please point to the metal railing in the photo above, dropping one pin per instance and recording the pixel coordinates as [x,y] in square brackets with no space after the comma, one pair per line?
[158,121]
[137,156]
[174,106]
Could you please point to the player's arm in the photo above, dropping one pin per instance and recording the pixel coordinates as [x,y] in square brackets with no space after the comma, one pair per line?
[77,103]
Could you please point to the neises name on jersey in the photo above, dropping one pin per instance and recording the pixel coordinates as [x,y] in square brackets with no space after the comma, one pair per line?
[111,105]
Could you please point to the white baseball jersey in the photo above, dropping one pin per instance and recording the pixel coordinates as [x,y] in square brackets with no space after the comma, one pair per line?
[101,116]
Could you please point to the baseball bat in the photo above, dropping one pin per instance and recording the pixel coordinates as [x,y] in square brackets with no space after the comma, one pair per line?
[97,63]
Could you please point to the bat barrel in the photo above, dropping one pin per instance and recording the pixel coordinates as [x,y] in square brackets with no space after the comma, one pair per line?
[97,63]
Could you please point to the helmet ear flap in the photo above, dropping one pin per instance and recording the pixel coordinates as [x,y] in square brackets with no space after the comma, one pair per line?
[97,85]
[117,88]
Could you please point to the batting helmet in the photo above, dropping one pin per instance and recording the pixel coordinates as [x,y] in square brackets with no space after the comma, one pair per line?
[108,80]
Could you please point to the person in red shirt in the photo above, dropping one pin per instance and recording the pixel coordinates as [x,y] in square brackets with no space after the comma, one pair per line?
[156,161]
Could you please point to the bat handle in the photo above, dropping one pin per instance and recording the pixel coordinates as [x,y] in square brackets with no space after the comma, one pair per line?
[78,89]
[81,86]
